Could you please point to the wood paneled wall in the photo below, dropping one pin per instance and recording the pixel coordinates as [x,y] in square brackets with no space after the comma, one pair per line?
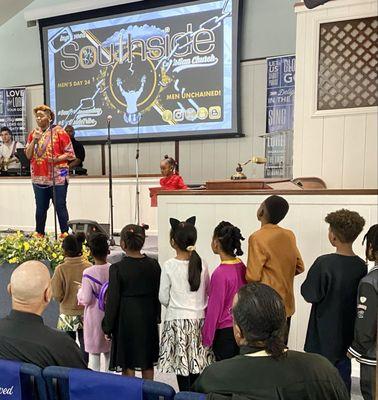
[339,146]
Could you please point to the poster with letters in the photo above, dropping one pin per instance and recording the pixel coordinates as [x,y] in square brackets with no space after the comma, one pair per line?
[280,117]
[13,111]
[280,94]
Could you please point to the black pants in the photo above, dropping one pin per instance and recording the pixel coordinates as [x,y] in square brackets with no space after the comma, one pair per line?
[185,382]
[80,335]
[344,366]
[224,345]
[367,381]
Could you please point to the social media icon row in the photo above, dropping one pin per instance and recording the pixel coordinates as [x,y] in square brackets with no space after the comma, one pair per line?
[190,114]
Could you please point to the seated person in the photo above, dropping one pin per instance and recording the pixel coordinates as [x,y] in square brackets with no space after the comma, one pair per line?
[8,160]
[23,335]
[266,369]
[78,149]
[171,179]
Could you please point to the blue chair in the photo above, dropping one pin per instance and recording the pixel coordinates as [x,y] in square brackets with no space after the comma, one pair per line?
[190,396]
[57,381]
[33,385]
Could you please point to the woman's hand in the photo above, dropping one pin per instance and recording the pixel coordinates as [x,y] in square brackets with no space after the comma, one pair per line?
[37,134]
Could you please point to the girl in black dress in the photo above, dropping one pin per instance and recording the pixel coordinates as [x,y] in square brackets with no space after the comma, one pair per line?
[132,311]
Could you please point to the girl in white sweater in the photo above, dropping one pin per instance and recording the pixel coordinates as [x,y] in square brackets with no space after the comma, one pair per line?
[183,291]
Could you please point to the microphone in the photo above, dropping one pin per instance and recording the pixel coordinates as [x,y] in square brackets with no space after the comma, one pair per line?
[109,118]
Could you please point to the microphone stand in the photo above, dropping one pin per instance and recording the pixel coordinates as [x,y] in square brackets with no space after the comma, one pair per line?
[137,191]
[53,181]
[109,143]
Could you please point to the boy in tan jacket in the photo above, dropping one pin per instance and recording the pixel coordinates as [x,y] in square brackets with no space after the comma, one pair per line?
[273,256]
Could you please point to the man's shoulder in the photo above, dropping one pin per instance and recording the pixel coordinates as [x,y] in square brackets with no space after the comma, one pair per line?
[310,361]
[51,337]
[57,335]
[224,365]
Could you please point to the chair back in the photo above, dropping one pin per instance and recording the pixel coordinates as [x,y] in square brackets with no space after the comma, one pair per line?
[189,396]
[57,381]
[33,386]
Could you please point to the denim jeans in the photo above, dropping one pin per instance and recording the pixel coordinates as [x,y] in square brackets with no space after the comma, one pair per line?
[344,366]
[43,194]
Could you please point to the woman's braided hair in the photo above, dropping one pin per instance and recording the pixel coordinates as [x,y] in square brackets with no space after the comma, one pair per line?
[260,315]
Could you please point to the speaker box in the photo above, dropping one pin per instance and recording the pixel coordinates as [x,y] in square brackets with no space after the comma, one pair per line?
[87,226]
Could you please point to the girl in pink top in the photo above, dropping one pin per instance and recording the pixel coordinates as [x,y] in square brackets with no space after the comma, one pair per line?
[94,338]
[225,281]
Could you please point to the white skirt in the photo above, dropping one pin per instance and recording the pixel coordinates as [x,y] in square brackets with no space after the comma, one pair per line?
[181,349]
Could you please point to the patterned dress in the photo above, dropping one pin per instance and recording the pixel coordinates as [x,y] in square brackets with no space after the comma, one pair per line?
[181,348]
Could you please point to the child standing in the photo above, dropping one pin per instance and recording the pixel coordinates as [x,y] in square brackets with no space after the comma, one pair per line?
[93,278]
[331,286]
[225,281]
[273,256]
[364,346]
[132,311]
[183,291]
[65,286]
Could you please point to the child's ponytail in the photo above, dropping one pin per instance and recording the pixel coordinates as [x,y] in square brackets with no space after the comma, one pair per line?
[184,234]
[195,269]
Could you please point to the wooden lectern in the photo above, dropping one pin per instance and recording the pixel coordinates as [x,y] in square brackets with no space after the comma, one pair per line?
[252,184]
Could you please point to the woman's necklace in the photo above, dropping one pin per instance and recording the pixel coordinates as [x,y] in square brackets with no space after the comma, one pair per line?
[43,143]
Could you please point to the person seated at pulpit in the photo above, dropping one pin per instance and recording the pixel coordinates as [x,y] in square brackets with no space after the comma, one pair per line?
[76,164]
[8,159]
[171,179]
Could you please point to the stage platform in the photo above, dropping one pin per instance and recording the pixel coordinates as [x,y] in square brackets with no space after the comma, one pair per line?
[87,198]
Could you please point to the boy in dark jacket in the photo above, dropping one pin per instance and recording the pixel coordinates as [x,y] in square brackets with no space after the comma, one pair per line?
[331,286]
[364,346]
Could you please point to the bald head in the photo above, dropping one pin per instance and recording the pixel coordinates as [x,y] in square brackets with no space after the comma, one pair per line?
[29,283]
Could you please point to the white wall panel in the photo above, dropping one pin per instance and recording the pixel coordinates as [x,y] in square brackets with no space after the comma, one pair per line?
[339,147]
[332,154]
[371,151]
[354,150]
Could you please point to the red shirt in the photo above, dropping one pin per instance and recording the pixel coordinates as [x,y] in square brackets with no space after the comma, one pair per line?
[41,168]
[172,182]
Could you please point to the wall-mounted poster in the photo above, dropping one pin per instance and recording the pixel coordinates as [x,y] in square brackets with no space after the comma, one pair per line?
[280,94]
[279,116]
[13,111]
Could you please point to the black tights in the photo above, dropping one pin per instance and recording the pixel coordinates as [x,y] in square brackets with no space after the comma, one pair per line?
[185,382]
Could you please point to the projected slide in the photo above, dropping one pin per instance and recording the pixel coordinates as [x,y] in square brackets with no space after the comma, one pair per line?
[162,72]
